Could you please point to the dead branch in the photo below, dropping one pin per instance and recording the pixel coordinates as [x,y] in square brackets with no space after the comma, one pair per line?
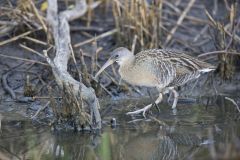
[235,103]
[218,52]
[180,20]
[6,87]
[23,59]
[39,110]
[61,33]
[108,33]
[36,41]
[82,28]
[15,38]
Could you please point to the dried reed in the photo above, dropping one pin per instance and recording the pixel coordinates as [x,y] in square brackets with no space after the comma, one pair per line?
[138,19]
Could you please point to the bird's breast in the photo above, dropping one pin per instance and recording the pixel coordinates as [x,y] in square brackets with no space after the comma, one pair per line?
[138,76]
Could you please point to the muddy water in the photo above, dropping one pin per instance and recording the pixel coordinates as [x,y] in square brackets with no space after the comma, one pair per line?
[196,131]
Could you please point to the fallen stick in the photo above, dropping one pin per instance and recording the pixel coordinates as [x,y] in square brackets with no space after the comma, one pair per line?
[108,33]
[23,59]
[36,40]
[218,52]
[235,103]
[16,37]
[203,30]
[180,20]
[31,50]
[59,26]
[6,86]
[45,97]
[82,28]
[39,110]
[39,17]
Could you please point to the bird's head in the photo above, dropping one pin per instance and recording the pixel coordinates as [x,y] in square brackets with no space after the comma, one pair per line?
[119,55]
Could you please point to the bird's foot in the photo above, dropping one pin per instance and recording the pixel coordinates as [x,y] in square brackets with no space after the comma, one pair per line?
[143,111]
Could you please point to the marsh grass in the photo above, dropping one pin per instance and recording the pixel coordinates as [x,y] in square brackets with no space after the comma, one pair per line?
[225,38]
[139,23]
[167,24]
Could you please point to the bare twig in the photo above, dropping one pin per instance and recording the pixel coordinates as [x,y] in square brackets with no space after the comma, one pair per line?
[89,13]
[180,20]
[35,40]
[134,43]
[39,17]
[39,110]
[227,5]
[85,77]
[103,87]
[217,52]
[6,86]
[38,97]
[106,34]
[32,50]
[90,28]
[15,38]
[235,103]
[203,30]
[191,19]
[75,63]
[23,59]
[93,56]
[5,83]
[214,23]
[172,6]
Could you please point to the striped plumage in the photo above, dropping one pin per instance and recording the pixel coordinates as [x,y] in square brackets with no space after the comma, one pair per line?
[160,68]
[172,68]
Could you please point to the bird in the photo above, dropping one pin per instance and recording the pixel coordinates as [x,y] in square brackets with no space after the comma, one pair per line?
[164,69]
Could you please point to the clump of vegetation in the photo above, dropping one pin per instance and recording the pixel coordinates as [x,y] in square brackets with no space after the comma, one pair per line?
[139,23]
[27,15]
[163,24]
[224,35]
[70,111]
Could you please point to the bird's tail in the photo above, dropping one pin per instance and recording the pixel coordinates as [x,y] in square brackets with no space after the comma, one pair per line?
[206,67]
[207,70]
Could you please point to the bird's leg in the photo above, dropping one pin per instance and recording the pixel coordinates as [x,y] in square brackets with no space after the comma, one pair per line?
[169,92]
[153,104]
[175,94]
[143,110]
[169,97]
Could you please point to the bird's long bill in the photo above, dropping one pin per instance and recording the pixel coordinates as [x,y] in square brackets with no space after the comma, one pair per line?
[108,63]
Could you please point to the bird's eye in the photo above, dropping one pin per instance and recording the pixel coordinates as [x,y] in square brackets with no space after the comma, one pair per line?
[116,56]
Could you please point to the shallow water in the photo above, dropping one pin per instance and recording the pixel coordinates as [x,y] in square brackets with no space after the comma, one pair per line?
[195,132]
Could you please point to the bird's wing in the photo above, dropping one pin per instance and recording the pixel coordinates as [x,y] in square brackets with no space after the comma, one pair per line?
[183,62]
[159,66]
[175,67]
[187,67]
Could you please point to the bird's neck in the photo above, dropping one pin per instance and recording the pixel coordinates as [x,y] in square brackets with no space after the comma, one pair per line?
[126,68]
[126,63]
